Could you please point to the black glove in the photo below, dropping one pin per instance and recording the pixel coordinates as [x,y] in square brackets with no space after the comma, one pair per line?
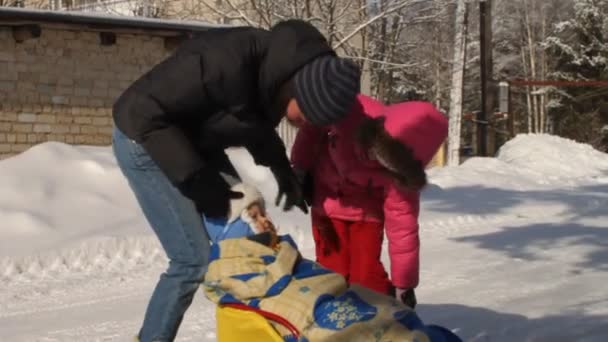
[307,183]
[210,192]
[290,188]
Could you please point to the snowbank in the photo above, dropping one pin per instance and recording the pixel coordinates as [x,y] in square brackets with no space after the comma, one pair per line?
[528,161]
[554,157]
[64,205]
[55,194]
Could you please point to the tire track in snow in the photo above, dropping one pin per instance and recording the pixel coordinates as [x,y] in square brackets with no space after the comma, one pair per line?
[462,223]
[85,301]
[100,312]
[45,309]
[198,325]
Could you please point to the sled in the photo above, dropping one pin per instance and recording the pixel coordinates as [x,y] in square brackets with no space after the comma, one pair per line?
[239,322]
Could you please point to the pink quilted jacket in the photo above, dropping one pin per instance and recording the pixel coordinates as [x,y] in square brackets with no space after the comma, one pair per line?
[350,186]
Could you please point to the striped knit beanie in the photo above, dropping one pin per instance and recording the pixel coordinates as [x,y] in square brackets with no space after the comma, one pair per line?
[326,89]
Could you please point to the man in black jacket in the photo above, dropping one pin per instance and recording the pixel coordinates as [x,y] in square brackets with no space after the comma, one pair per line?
[223,88]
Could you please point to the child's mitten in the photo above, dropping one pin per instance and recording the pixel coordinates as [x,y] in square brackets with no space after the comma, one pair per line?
[407,297]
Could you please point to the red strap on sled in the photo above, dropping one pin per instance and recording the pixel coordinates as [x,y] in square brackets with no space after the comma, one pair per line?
[268,315]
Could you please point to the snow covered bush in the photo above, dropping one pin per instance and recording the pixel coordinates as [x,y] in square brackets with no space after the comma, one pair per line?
[579,52]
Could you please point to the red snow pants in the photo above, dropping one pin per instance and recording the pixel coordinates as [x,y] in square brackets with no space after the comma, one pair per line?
[353,250]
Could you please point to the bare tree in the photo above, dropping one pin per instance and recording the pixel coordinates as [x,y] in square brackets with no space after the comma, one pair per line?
[425,45]
[368,32]
[25,3]
[522,27]
[458,66]
[12,3]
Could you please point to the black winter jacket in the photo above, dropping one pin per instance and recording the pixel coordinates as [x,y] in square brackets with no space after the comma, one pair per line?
[217,90]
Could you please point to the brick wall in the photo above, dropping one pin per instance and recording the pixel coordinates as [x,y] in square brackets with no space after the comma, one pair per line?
[61,86]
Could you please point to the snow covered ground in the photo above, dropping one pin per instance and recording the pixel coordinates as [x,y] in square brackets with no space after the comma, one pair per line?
[514,248]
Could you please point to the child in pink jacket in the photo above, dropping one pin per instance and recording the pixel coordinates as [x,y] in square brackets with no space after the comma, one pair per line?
[367,172]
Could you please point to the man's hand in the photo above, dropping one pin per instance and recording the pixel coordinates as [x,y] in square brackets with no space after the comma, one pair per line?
[210,192]
[290,188]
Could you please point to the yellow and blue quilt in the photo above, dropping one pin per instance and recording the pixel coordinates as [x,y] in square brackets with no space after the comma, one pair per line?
[317,301]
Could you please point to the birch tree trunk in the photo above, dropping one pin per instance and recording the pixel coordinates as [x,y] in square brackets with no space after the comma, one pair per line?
[532,64]
[456,92]
[524,64]
[543,70]
[437,66]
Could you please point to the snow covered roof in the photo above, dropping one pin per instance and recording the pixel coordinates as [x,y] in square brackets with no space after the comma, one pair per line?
[99,20]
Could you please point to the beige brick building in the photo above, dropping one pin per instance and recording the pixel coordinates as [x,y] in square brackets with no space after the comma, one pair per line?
[61,72]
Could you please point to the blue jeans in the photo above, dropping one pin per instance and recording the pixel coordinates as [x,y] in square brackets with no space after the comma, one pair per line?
[178,226]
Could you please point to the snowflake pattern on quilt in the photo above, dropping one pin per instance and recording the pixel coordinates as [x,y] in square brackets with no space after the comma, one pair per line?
[337,313]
